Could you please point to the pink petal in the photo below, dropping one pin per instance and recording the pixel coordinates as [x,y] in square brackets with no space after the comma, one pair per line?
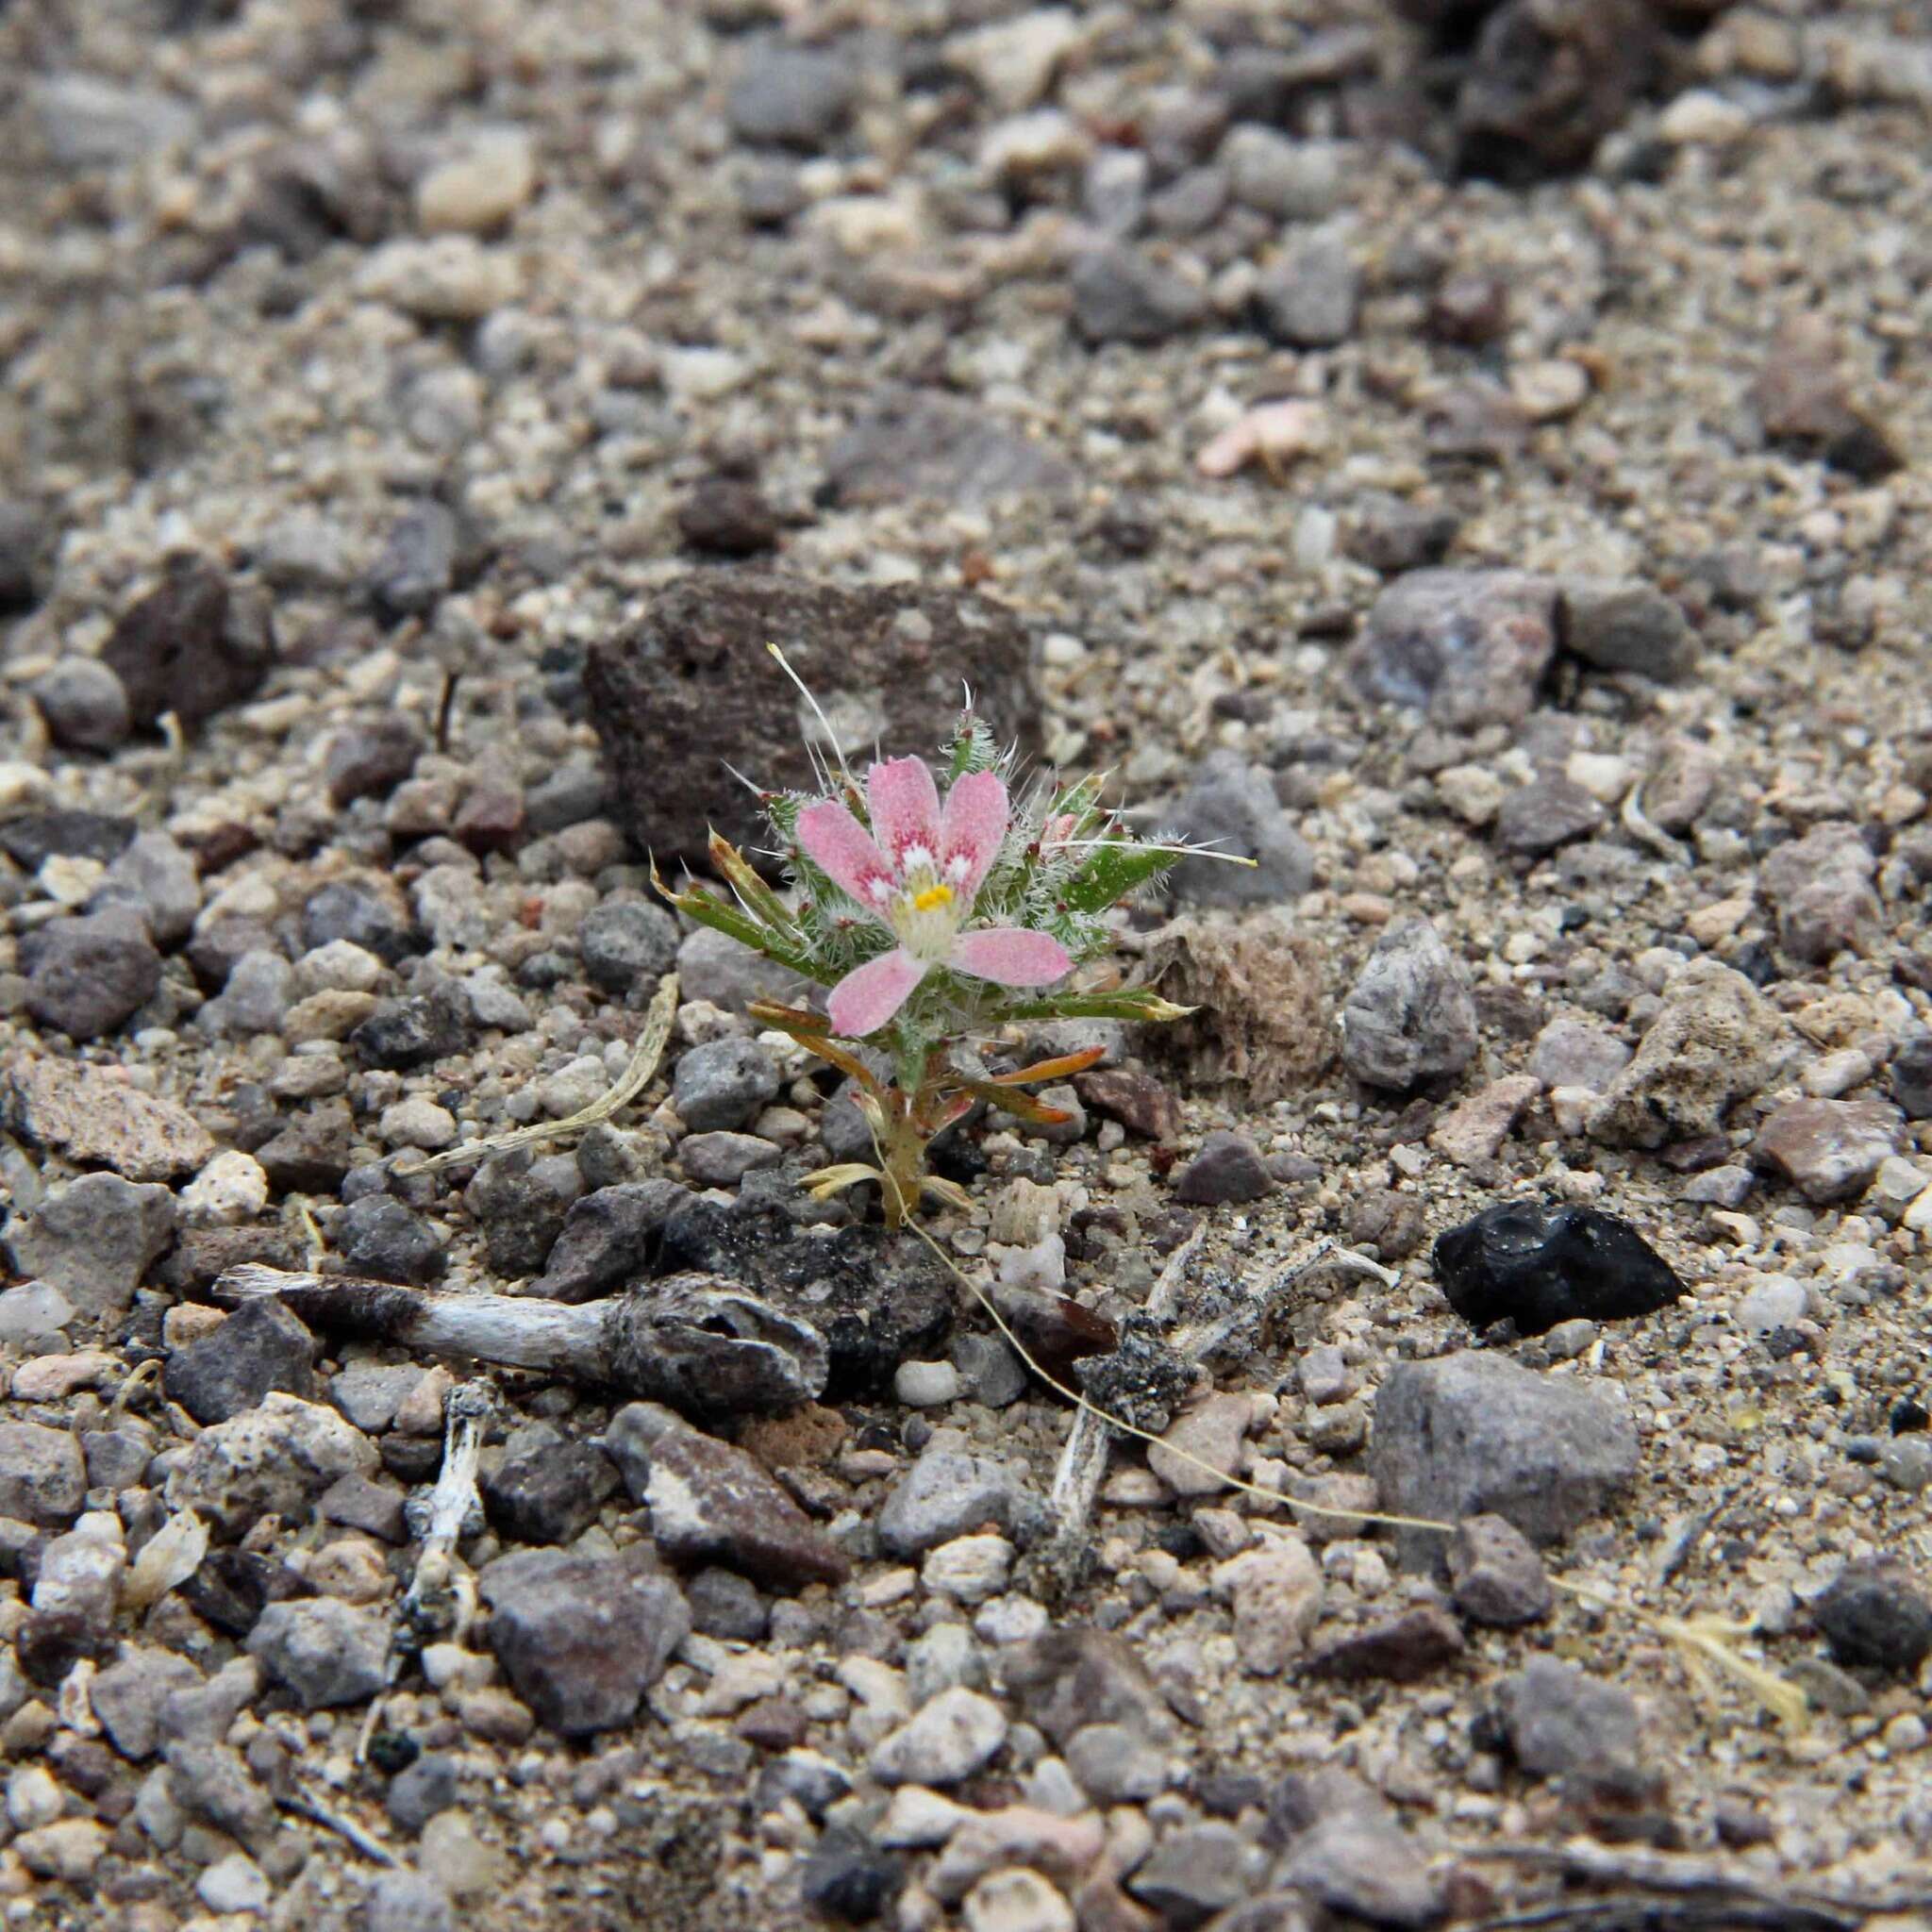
[905,807]
[975,823]
[869,995]
[841,847]
[1010,955]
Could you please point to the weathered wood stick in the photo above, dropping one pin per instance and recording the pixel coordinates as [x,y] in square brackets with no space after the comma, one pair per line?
[695,1342]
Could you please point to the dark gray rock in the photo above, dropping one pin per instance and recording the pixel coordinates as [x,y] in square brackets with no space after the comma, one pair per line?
[625,944]
[24,539]
[1231,808]
[378,1236]
[1076,1676]
[1196,1872]
[711,1502]
[210,1781]
[607,1240]
[549,1492]
[42,1475]
[1472,1434]
[259,1347]
[567,797]
[1875,1617]
[1343,1846]
[369,761]
[1394,535]
[1495,1574]
[582,1637]
[310,1155]
[417,564]
[93,1239]
[88,976]
[785,95]
[1402,1649]
[725,1605]
[160,879]
[85,705]
[1547,812]
[1123,295]
[1618,625]
[1410,1016]
[1468,648]
[357,1502]
[1228,1168]
[1561,1724]
[917,444]
[419,1790]
[1308,298]
[259,990]
[35,837]
[363,911]
[728,516]
[723,1084]
[328,1653]
[848,1877]
[1821,889]
[1911,1075]
[192,647]
[693,673]
[522,1202]
[413,1031]
[127,1696]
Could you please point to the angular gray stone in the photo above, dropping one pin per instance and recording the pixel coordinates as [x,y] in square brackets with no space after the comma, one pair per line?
[1228,1168]
[712,1503]
[1078,1676]
[944,1494]
[1563,1724]
[161,879]
[1308,298]
[915,443]
[328,1653]
[42,1475]
[1467,646]
[1346,1849]
[582,1637]
[93,1239]
[84,704]
[127,1696]
[1231,808]
[87,976]
[1409,1015]
[625,944]
[1569,1053]
[1475,1434]
[1196,1872]
[723,1084]
[1622,625]
[1121,296]
[1547,812]
[1495,1574]
[262,1345]
[606,1239]
[1821,886]
[549,1489]
[405,1900]
[785,95]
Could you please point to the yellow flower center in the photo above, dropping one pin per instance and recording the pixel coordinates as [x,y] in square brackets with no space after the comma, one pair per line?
[932,898]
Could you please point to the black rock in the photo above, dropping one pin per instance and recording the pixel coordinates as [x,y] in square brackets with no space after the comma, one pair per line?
[725,1605]
[232,1589]
[191,646]
[877,1298]
[1875,1616]
[259,1347]
[522,1202]
[378,1236]
[1536,1266]
[311,1154]
[411,1032]
[848,1877]
[38,836]
[548,1493]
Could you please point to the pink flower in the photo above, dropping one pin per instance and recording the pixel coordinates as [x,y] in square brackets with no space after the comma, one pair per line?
[917,873]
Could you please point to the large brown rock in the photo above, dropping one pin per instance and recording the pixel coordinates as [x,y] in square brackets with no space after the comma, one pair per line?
[688,688]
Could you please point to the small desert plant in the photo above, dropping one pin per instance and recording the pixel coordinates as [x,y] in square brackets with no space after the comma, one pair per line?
[934,925]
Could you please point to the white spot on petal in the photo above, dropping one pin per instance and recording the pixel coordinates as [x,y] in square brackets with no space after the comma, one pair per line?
[958,866]
[881,889]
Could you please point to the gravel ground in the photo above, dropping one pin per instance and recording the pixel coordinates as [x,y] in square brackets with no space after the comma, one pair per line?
[1466,458]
